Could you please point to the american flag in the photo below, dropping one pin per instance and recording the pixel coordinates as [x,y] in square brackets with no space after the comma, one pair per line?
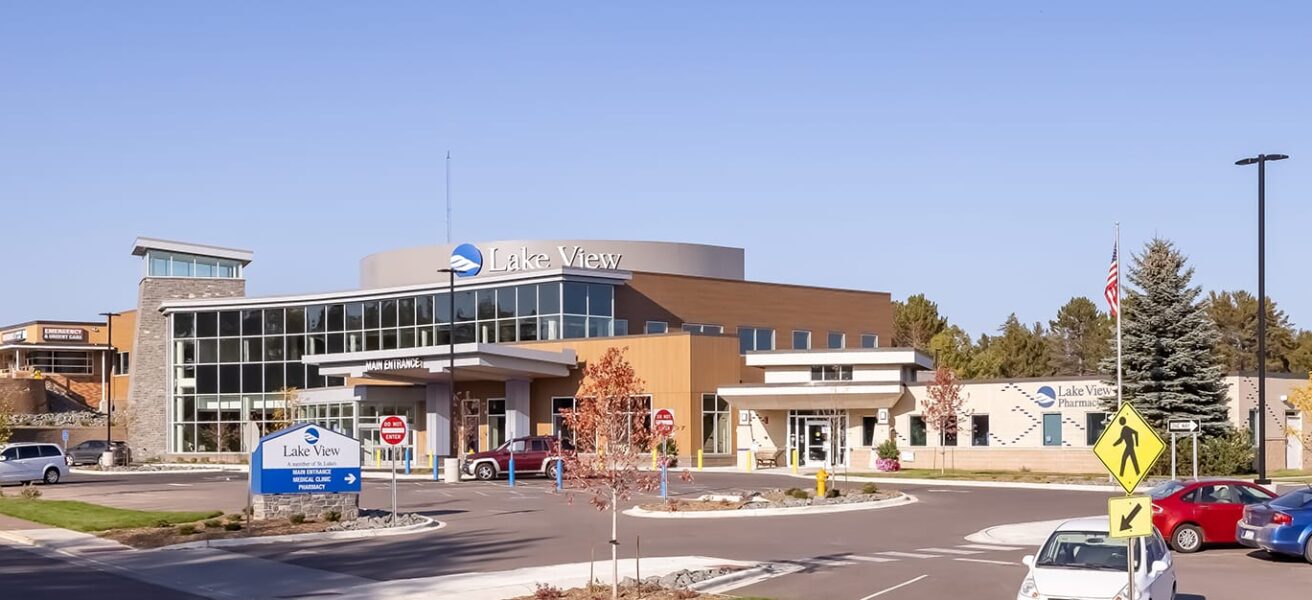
[1112,291]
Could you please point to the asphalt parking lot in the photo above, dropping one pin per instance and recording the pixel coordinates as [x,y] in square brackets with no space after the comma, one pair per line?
[920,547]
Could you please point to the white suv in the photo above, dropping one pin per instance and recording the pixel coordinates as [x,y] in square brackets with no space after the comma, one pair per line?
[24,463]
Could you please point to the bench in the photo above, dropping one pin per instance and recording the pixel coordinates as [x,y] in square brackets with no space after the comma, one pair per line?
[765,459]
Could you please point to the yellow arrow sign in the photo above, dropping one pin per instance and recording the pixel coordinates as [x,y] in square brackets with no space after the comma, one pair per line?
[1130,516]
[1128,447]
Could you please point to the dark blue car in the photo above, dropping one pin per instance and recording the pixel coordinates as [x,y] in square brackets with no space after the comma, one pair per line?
[1282,526]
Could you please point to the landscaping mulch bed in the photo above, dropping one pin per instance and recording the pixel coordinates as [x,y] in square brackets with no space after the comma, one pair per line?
[772,498]
[602,592]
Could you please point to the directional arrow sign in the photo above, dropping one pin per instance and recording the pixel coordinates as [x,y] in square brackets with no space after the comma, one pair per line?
[1182,426]
[1131,516]
[1128,447]
[350,478]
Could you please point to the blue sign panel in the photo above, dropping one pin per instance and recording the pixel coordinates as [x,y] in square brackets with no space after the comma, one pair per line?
[64,434]
[306,459]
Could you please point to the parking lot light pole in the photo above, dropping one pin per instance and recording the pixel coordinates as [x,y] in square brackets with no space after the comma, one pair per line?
[109,397]
[1261,161]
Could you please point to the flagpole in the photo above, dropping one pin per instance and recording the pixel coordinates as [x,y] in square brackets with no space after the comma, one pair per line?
[1119,398]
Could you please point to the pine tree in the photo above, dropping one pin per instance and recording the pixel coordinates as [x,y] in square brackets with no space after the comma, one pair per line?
[1167,341]
[1077,338]
[916,321]
[1235,316]
[1021,349]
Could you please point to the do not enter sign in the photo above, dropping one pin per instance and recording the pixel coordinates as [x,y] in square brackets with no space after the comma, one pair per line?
[662,422]
[393,430]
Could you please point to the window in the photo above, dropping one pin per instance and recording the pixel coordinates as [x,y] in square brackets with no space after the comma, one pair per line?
[837,339]
[1218,494]
[1094,424]
[173,264]
[831,373]
[67,362]
[801,340]
[121,363]
[1052,429]
[656,327]
[917,430]
[48,451]
[538,445]
[620,327]
[949,437]
[752,339]
[716,425]
[558,427]
[698,328]
[979,430]
[28,452]
[1252,427]
[496,423]
[1253,495]
[869,340]
[868,430]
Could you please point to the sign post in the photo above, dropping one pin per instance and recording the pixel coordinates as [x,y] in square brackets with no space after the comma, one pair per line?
[1188,427]
[393,431]
[662,424]
[64,436]
[1128,448]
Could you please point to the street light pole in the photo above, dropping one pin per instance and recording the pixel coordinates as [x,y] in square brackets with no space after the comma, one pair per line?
[1260,424]
[451,355]
[109,402]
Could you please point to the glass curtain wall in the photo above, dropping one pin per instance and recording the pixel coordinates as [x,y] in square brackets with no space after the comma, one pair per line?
[231,366]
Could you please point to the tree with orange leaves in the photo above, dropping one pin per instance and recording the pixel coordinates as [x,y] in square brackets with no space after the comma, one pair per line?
[943,408]
[611,431]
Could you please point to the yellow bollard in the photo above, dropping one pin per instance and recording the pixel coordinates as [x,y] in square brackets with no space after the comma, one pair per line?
[653,459]
[699,459]
[793,458]
[430,462]
[821,477]
[751,460]
[378,460]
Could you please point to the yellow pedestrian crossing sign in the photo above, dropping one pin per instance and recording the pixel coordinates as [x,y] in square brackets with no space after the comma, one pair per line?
[1131,516]
[1128,447]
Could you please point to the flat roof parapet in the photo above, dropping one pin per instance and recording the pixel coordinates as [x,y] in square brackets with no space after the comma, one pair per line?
[143,244]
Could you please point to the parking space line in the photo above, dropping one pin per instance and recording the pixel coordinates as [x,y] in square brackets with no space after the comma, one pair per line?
[900,585]
[948,551]
[988,547]
[907,555]
[988,562]
[873,559]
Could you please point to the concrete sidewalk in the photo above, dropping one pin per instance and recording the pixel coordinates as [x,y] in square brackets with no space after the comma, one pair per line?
[838,476]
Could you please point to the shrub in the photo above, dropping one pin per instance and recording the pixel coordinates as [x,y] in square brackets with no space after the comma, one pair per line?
[296,519]
[213,524]
[232,526]
[871,488]
[235,518]
[668,447]
[332,516]
[887,450]
[832,493]
[546,591]
[186,529]
[30,492]
[796,493]
[163,523]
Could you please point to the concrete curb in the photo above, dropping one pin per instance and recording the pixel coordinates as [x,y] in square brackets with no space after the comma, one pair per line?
[745,577]
[17,538]
[772,512]
[180,471]
[1031,533]
[429,525]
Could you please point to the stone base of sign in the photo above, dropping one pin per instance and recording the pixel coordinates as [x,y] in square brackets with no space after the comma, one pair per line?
[281,506]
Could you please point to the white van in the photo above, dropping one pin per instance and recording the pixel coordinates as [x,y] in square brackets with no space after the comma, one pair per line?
[23,463]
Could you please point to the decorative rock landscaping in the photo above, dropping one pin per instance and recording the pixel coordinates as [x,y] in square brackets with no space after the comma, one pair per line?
[377,519]
[773,498]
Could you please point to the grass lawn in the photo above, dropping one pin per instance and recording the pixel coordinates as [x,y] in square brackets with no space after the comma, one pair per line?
[81,516]
[1291,474]
[1027,476]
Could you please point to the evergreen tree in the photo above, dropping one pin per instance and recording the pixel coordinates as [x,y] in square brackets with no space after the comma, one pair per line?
[1300,360]
[987,360]
[1167,341]
[915,322]
[1021,351]
[953,349]
[1077,338]
[1235,316]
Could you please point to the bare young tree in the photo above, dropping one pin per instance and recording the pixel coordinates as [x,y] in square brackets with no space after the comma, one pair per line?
[289,403]
[610,432]
[943,408]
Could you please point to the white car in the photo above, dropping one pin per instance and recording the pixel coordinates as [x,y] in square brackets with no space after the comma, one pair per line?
[1080,562]
[22,463]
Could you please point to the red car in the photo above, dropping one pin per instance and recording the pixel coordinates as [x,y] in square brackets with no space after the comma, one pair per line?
[1193,513]
[537,454]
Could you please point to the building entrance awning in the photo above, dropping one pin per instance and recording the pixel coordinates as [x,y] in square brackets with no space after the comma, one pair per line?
[473,362]
[760,398]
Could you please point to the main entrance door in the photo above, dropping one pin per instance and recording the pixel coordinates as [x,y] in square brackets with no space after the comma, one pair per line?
[818,435]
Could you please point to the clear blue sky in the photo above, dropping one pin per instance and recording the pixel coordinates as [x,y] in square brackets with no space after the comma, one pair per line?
[978,152]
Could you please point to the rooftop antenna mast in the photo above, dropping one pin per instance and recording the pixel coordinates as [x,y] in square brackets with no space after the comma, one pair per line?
[448,196]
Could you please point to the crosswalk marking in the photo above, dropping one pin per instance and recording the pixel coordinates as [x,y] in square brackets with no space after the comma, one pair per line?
[949,551]
[986,561]
[873,559]
[988,547]
[830,562]
[907,555]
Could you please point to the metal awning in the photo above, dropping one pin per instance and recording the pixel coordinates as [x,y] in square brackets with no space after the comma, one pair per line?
[44,346]
[815,401]
[473,362]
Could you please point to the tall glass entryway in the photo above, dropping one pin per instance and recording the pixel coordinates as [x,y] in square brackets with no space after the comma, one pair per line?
[819,436]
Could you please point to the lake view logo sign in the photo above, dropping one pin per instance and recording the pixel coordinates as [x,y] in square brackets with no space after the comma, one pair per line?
[1086,395]
[466,260]
[311,436]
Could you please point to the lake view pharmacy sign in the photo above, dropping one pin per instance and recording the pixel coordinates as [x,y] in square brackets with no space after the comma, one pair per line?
[306,459]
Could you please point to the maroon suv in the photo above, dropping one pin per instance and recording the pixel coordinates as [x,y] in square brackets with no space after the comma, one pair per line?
[534,455]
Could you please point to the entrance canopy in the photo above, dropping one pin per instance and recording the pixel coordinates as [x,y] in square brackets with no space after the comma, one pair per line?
[812,397]
[429,364]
